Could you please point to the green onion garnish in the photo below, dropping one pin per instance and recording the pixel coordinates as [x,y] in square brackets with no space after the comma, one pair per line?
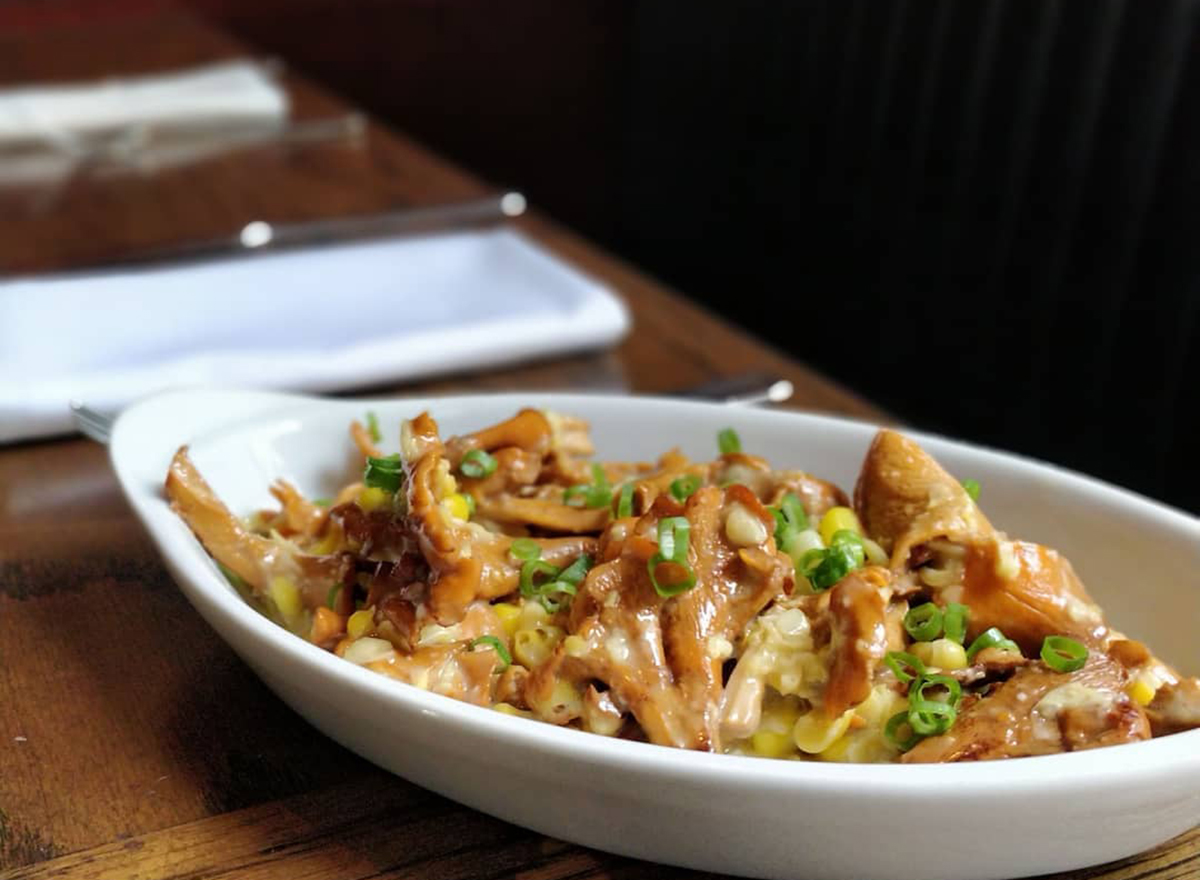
[595,496]
[954,621]
[531,570]
[972,487]
[790,518]
[625,501]
[575,572]
[384,473]
[892,732]
[322,502]
[1063,654]
[924,622]
[470,499]
[728,441]
[930,717]
[546,594]
[825,567]
[916,693]
[235,579]
[991,638]
[496,645]
[685,486]
[525,549]
[900,662]
[332,597]
[673,537]
[373,427]
[477,464]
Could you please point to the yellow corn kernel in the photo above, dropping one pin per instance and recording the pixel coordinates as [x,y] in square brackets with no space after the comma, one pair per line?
[1141,690]
[372,498]
[510,616]
[532,613]
[942,653]
[814,732]
[533,647]
[360,623]
[769,744]
[509,709]
[836,519]
[458,506]
[743,528]
[564,703]
[328,544]
[575,646]
[286,596]
[876,555]
[326,624]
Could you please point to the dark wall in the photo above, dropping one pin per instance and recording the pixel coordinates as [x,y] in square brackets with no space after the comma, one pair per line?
[980,213]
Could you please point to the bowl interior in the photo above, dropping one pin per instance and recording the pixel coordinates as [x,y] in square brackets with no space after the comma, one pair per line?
[1138,558]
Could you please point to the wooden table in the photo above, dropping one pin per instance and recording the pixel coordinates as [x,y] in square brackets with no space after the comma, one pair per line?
[133,743]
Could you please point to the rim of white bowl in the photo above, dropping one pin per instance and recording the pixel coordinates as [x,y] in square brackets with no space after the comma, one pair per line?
[1078,772]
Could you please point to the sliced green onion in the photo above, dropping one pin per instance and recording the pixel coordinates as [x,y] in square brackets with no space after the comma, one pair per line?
[322,502]
[530,570]
[851,542]
[235,579]
[685,486]
[373,427]
[595,496]
[789,518]
[576,571]
[547,591]
[625,501]
[477,464]
[892,731]
[930,717]
[924,622]
[825,567]
[728,441]
[916,693]
[673,537]
[525,549]
[972,487]
[332,596]
[496,645]
[384,473]
[1063,654]
[470,499]
[991,638]
[955,617]
[900,662]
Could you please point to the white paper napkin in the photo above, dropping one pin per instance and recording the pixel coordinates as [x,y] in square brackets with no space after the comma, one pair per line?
[315,319]
[74,118]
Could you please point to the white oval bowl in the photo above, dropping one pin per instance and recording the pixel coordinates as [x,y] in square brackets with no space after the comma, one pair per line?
[739,815]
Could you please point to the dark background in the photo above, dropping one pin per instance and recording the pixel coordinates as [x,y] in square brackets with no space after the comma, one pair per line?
[981,214]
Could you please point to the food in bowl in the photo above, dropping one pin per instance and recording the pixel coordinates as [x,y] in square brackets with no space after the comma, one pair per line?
[721,605]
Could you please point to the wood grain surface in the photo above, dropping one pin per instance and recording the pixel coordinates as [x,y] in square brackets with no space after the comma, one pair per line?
[133,743]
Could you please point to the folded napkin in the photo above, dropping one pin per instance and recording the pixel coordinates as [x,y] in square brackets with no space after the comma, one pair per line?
[313,319]
[79,117]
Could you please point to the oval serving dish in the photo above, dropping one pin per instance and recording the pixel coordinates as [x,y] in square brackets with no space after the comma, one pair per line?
[747,816]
